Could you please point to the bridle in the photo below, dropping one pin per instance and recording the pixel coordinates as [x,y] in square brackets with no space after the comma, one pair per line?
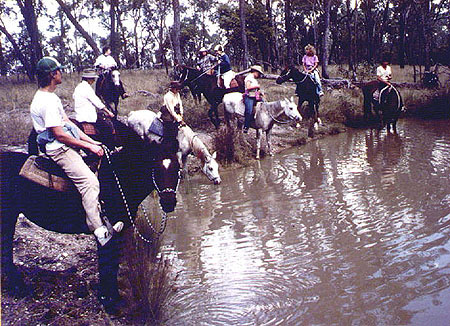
[167,189]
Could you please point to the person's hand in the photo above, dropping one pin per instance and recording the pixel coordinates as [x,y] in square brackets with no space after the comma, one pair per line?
[96,149]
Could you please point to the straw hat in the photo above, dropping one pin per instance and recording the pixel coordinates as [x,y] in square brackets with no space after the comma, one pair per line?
[203,49]
[257,68]
[218,48]
[89,73]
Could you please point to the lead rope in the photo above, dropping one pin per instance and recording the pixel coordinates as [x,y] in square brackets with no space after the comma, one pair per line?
[163,220]
[276,120]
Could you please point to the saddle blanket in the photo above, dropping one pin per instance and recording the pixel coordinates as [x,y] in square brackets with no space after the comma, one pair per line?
[157,127]
[45,172]
[240,110]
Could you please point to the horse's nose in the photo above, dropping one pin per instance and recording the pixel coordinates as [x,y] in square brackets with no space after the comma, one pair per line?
[168,202]
[217,181]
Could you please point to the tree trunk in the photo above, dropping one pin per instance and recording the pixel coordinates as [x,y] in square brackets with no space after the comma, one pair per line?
[272,44]
[426,33]
[29,15]
[289,30]
[402,39]
[350,33]
[326,39]
[176,30]
[3,67]
[243,33]
[114,41]
[79,28]
[26,64]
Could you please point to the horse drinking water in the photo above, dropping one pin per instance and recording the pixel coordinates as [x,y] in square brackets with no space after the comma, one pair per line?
[266,115]
[306,91]
[126,179]
[188,141]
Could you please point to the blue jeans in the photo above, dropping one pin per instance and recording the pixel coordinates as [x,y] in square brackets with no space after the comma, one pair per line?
[249,101]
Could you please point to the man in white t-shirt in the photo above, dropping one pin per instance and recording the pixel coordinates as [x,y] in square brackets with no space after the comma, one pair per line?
[60,136]
[384,75]
[86,105]
[173,107]
[106,63]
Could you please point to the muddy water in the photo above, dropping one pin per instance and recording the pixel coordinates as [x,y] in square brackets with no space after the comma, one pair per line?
[351,230]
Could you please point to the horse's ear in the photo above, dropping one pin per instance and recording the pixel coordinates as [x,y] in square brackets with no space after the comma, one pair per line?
[214,156]
[292,99]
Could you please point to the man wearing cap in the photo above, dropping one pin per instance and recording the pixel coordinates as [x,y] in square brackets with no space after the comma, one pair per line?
[59,136]
[252,93]
[173,107]
[224,67]
[206,61]
[87,104]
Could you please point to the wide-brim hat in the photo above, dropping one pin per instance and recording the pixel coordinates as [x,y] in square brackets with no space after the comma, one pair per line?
[257,68]
[48,64]
[89,73]
[175,84]
[203,50]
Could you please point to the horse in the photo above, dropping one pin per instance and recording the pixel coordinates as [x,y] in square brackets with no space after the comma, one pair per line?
[189,143]
[109,88]
[388,108]
[306,91]
[202,83]
[267,114]
[126,179]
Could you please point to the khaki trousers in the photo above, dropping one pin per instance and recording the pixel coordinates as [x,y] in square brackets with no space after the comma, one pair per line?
[84,179]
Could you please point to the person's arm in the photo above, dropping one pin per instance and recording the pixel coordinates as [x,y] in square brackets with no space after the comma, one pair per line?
[70,141]
[249,87]
[95,100]
[82,135]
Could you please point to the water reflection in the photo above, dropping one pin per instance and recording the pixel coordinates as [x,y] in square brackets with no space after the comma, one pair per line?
[351,229]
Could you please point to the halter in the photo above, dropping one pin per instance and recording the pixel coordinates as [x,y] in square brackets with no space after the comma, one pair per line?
[125,202]
[300,82]
[276,120]
[165,190]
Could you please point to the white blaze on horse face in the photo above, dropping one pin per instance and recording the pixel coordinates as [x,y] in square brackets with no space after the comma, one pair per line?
[116,77]
[166,163]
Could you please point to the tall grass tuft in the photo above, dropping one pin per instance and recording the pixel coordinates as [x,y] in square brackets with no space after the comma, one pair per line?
[149,279]
[231,146]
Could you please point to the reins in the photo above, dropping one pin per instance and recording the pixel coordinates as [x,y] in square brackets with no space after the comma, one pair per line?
[276,120]
[125,202]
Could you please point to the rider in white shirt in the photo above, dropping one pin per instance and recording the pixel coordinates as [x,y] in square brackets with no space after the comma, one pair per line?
[384,75]
[104,63]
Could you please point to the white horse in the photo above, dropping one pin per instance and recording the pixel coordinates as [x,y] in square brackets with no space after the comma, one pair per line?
[267,113]
[189,142]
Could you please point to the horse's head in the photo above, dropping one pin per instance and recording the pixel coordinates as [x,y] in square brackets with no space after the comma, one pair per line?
[165,177]
[285,75]
[115,77]
[290,109]
[211,169]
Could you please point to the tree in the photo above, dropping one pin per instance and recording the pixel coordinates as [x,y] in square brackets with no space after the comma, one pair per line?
[176,30]
[289,30]
[326,38]
[79,28]
[243,33]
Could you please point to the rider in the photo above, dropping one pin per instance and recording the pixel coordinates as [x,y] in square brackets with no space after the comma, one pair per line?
[384,75]
[224,67]
[206,62]
[104,63]
[252,93]
[172,109]
[310,63]
[60,136]
[87,104]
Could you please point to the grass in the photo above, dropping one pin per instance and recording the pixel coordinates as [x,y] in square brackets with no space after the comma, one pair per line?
[337,106]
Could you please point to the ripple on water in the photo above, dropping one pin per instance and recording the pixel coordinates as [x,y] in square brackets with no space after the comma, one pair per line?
[352,229]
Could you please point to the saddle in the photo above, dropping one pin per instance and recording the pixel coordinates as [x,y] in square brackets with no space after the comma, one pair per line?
[45,172]
[241,109]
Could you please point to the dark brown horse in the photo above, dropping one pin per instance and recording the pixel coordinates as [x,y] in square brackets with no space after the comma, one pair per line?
[387,109]
[109,88]
[139,169]
[202,83]
[306,91]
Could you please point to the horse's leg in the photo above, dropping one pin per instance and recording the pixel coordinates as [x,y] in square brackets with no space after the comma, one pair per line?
[214,116]
[268,134]
[184,167]
[258,143]
[108,268]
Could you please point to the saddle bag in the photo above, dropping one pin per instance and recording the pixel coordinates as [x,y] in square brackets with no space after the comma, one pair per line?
[45,172]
